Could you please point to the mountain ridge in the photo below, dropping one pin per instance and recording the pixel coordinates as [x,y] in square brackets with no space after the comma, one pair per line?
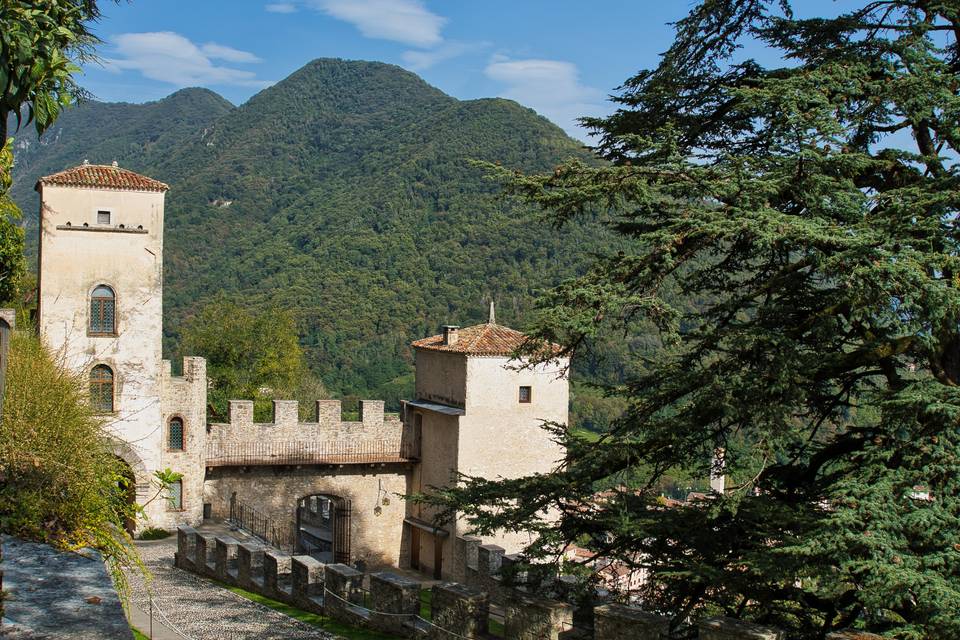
[347,193]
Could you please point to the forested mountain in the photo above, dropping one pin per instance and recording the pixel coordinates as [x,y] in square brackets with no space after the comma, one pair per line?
[345,193]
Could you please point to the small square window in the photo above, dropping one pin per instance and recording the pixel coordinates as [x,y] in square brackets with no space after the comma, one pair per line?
[525,394]
[103,217]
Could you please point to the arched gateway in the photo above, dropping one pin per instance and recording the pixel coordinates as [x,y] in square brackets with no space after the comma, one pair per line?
[323,527]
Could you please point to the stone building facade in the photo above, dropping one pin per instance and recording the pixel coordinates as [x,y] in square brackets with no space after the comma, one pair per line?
[325,484]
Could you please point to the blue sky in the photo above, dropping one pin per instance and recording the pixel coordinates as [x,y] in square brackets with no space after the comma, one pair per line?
[562,58]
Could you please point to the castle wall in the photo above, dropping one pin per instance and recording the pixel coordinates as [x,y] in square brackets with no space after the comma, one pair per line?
[502,437]
[184,397]
[275,491]
[439,443]
[326,426]
[75,259]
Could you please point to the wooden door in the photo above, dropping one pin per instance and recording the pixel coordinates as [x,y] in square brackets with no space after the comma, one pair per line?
[415,548]
[437,556]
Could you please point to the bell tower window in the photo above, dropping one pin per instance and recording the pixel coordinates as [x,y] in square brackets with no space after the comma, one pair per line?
[103,312]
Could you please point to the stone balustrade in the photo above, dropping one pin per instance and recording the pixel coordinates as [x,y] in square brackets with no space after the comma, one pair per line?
[392,602]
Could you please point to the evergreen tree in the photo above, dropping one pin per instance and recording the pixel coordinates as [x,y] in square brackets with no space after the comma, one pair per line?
[811,210]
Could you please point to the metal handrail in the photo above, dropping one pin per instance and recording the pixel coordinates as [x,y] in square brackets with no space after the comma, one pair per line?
[251,520]
[291,453]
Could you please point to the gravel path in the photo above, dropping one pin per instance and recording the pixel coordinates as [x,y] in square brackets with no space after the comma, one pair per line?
[202,610]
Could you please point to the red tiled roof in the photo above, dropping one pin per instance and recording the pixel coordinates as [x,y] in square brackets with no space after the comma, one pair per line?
[102,176]
[479,340]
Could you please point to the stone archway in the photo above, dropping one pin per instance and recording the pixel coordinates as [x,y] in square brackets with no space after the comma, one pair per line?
[127,487]
[135,477]
[323,527]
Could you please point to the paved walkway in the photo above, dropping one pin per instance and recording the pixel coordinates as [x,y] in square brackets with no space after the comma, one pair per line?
[190,608]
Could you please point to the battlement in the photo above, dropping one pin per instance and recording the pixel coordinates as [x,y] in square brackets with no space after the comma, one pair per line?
[377,437]
[392,602]
[194,371]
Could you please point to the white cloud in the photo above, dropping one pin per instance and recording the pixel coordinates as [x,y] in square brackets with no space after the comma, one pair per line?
[221,52]
[406,21]
[420,60]
[281,7]
[169,57]
[551,87]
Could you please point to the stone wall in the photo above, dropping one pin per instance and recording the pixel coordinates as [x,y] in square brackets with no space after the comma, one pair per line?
[391,604]
[376,528]
[326,424]
[184,397]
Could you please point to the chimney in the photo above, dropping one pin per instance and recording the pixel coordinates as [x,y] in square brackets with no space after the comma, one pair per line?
[451,333]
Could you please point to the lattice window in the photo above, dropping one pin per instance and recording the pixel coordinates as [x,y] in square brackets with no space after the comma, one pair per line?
[175,435]
[175,495]
[103,217]
[526,395]
[101,388]
[103,311]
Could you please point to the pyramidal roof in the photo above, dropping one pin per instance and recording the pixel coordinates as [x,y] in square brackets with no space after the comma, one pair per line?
[479,340]
[102,176]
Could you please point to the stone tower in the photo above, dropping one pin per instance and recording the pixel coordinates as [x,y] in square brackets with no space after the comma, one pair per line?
[479,412]
[100,310]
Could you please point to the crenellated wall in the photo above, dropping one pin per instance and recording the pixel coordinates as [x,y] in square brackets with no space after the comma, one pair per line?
[326,425]
[391,604]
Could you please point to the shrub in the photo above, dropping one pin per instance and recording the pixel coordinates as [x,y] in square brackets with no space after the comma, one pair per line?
[60,482]
[154,533]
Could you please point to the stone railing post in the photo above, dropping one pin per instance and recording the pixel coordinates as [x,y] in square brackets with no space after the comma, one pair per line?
[489,559]
[186,542]
[250,565]
[341,585]
[621,622]
[306,578]
[528,618]
[464,565]
[276,570]
[459,610]
[731,629]
[226,550]
[393,594]
[203,549]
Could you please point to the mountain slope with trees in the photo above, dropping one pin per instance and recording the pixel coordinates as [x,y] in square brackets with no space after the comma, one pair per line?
[346,194]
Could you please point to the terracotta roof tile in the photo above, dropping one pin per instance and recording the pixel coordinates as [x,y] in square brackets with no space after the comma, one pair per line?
[102,176]
[479,340]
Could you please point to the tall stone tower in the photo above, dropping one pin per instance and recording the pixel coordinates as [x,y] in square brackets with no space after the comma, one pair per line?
[100,308]
[479,412]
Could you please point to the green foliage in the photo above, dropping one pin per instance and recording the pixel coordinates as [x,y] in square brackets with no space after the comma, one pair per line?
[41,45]
[60,482]
[154,533]
[12,262]
[811,210]
[250,356]
[345,194]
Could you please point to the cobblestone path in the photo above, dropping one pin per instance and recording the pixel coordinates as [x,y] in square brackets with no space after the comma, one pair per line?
[202,610]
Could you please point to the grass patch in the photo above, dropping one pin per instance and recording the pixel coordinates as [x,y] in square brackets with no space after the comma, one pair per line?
[586,434]
[138,635]
[426,598]
[323,622]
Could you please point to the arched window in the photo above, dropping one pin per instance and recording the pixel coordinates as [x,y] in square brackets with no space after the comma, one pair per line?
[175,495]
[175,434]
[101,388]
[103,311]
